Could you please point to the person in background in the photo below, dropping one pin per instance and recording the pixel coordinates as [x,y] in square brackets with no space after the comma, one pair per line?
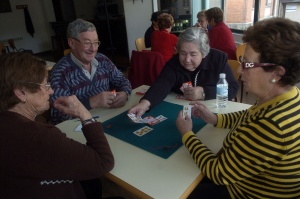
[37,159]
[202,21]
[151,29]
[260,157]
[220,36]
[162,41]
[196,63]
[89,75]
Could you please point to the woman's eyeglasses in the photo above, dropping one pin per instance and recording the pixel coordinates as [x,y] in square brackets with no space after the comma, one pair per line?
[247,65]
[47,85]
[88,44]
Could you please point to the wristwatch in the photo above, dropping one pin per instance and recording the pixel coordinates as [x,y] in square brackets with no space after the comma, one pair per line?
[88,120]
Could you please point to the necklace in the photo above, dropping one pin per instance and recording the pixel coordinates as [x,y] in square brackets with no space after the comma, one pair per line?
[196,77]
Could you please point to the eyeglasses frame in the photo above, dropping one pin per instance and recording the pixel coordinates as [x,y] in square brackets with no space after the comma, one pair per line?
[89,44]
[248,65]
[47,85]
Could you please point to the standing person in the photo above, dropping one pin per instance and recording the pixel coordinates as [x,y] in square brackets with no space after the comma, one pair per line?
[260,156]
[37,159]
[162,41]
[202,21]
[195,62]
[89,75]
[220,36]
[151,29]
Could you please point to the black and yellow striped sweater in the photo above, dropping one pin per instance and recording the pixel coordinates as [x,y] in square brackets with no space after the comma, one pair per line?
[261,153]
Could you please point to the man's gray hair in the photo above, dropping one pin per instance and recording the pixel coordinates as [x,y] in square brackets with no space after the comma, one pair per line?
[78,26]
[196,35]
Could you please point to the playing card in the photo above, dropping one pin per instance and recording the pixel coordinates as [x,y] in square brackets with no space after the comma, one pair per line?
[143,131]
[186,85]
[135,119]
[187,111]
[150,120]
[142,91]
[161,118]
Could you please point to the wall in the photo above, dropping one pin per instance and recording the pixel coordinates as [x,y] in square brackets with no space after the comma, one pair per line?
[137,16]
[12,25]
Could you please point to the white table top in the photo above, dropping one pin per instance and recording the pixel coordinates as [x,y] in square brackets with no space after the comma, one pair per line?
[145,174]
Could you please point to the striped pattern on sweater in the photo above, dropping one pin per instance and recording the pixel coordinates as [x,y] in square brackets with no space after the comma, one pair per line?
[261,153]
[68,79]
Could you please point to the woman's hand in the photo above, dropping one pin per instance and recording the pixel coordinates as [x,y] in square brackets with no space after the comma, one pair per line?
[184,125]
[71,106]
[140,108]
[194,93]
[200,110]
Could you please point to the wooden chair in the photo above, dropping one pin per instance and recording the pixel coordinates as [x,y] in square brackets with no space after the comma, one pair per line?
[66,51]
[234,64]
[140,44]
[240,49]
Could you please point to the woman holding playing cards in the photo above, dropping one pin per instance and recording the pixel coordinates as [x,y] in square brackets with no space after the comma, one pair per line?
[260,157]
[192,72]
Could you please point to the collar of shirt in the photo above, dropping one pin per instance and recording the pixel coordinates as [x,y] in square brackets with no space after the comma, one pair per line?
[94,65]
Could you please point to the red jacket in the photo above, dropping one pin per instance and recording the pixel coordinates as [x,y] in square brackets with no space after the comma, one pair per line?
[163,42]
[221,38]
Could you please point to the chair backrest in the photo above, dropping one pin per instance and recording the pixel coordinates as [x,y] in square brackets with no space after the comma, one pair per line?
[66,51]
[234,64]
[145,67]
[140,44]
[240,49]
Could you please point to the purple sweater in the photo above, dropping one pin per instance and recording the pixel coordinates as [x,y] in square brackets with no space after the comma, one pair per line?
[68,79]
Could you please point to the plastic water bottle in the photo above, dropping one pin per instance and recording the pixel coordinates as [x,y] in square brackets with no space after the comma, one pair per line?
[222,91]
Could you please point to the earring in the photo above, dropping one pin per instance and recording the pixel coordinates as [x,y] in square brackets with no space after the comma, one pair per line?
[273,80]
[24,100]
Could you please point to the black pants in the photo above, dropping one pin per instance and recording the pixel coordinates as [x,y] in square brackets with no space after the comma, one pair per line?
[206,189]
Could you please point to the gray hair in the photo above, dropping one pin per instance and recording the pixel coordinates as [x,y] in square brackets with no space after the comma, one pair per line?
[195,35]
[78,26]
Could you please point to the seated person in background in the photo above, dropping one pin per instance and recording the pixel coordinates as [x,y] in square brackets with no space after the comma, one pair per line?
[89,75]
[151,29]
[260,157]
[195,62]
[220,36]
[162,41]
[37,159]
[202,21]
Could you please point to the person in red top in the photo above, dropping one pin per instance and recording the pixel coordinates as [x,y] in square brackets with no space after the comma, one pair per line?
[162,41]
[220,36]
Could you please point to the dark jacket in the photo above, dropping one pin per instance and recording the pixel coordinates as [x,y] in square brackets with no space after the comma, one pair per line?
[173,75]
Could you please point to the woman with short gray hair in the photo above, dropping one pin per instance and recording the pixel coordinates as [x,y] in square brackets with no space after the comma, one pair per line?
[195,64]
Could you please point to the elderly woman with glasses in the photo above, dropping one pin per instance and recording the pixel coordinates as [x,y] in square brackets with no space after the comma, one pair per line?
[260,157]
[37,159]
[195,64]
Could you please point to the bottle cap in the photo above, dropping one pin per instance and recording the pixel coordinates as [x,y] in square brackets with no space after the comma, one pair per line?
[222,75]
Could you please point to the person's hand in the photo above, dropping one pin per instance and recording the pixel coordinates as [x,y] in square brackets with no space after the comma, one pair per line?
[184,125]
[193,93]
[140,108]
[197,24]
[120,100]
[103,99]
[71,106]
[200,110]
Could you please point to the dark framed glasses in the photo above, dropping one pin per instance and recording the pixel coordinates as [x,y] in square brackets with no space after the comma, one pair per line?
[247,65]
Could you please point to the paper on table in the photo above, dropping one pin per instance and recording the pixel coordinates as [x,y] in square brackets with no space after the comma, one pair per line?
[78,128]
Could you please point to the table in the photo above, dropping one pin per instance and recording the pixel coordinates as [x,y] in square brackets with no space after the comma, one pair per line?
[49,65]
[147,175]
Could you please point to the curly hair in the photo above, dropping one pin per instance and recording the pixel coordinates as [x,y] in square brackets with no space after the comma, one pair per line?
[165,21]
[16,70]
[277,41]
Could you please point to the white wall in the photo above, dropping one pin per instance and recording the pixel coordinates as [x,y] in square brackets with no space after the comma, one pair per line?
[137,17]
[12,25]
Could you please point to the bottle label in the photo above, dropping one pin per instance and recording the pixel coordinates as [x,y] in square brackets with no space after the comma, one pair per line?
[222,91]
